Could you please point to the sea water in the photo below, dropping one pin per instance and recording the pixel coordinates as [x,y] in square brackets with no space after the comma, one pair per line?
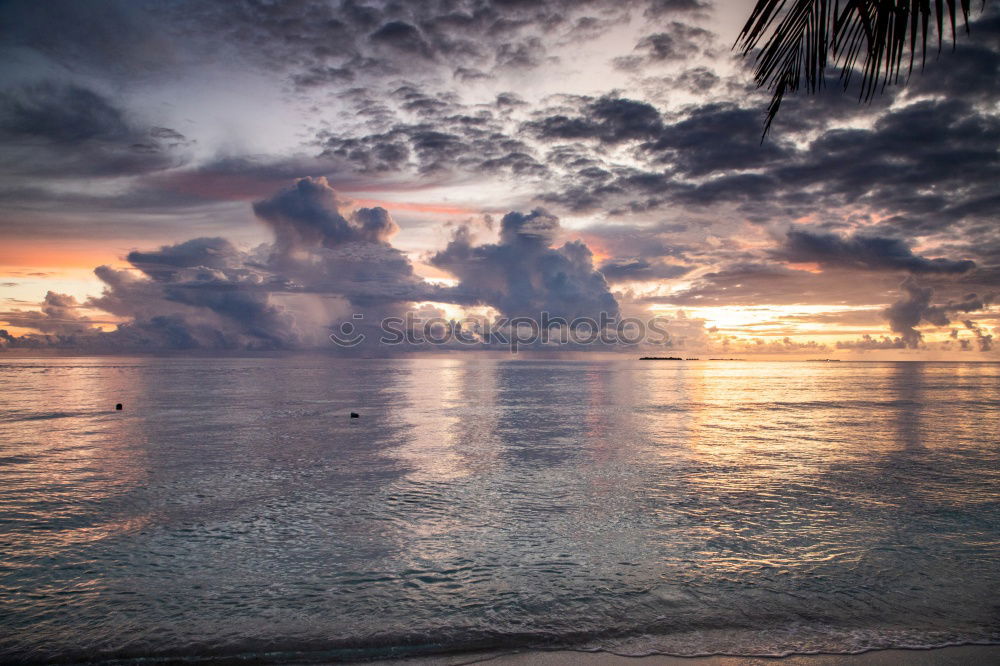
[233,507]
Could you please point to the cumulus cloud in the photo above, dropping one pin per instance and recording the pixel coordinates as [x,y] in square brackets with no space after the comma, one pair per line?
[307,215]
[59,315]
[522,275]
[205,293]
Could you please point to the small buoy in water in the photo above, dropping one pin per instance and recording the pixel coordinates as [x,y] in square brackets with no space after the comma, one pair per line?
[354,415]
[118,406]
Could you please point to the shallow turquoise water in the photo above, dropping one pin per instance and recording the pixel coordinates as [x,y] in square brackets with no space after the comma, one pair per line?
[233,508]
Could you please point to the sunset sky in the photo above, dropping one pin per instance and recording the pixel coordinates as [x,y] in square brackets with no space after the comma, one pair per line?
[238,175]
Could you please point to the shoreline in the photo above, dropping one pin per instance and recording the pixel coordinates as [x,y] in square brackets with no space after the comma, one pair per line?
[953,655]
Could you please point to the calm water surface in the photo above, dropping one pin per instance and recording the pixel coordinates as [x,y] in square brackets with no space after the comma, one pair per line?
[233,508]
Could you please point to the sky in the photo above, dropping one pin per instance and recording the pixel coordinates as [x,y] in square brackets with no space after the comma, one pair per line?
[250,176]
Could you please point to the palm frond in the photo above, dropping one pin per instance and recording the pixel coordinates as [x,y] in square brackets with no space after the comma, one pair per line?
[793,41]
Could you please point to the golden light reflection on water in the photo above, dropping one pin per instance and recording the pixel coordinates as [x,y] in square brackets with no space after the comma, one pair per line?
[63,437]
[429,407]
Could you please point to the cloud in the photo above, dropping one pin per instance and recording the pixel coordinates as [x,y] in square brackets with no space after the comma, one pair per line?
[608,119]
[870,342]
[333,43]
[62,114]
[862,252]
[984,339]
[202,293]
[451,139]
[404,37]
[635,269]
[914,307]
[679,42]
[522,275]
[59,315]
[458,97]
[657,8]
[168,261]
[206,293]
[307,215]
[57,129]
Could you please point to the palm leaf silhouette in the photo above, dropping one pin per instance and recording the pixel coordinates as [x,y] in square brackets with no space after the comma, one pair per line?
[792,40]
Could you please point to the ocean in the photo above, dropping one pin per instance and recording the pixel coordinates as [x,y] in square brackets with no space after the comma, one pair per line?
[233,508]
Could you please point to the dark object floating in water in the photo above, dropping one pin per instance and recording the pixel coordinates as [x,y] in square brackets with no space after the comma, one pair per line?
[823,360]
[661,358]
[118,407]
[726,359]
[354,415]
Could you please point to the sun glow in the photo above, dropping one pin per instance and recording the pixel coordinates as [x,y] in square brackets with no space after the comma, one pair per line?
[770,320]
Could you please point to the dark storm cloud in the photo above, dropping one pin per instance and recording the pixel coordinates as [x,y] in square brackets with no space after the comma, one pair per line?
[907,162]
[56,129]
[971,70]
[697,80]
[61,114]
[120,38]
[678,42]
[523,275]
[321,42]
[608,119]
[402,36]
[862,252]
[714,138]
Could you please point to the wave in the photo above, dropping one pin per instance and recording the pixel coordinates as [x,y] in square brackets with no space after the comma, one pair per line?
[788,641]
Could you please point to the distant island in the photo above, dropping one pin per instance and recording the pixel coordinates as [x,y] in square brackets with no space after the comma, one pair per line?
[823,360]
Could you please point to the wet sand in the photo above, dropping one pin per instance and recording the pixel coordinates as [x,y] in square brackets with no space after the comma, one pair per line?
[948,656]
